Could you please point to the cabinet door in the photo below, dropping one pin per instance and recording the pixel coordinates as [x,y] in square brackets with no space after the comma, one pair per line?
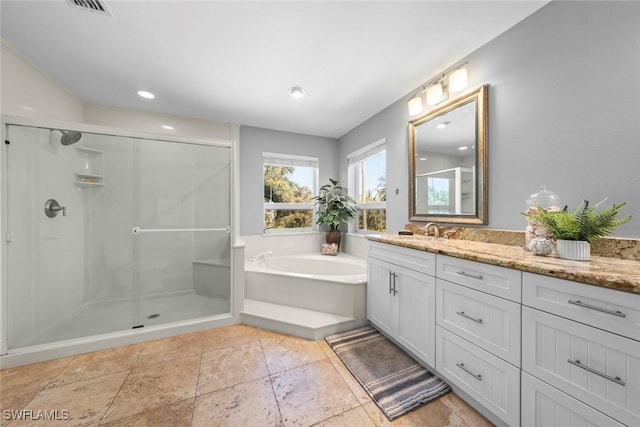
[415,294]
[381,309]
[597,367]
[543,405]
[492,382]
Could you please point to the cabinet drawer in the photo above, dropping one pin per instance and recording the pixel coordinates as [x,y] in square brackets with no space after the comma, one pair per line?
[491,381]
[420,261]
[597,367]
[490,322]
[543,405]
[495,280]
[608,309]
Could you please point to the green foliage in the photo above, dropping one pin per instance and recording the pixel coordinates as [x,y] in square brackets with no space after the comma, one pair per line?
[582,224]
[372,220]
[333,205]
[278,188]
[288,219]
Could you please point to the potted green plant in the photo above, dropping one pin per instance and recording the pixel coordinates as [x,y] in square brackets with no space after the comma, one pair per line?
[334,207]
[576,230]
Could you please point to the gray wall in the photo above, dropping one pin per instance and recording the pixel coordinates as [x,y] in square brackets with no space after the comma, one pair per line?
[253,142]
[564,111]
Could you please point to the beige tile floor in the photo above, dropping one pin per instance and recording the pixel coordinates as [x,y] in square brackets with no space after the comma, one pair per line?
[233,376]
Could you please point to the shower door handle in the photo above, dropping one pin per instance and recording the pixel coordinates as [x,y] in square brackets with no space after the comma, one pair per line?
[52,208]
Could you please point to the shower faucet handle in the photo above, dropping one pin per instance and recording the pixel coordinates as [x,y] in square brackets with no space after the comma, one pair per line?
[52,208]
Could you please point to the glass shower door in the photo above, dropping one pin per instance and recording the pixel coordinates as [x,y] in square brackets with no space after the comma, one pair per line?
[63,279]
[181,240]
[105,233]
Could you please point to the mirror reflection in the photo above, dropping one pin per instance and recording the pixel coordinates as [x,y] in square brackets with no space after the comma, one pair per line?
[448,162]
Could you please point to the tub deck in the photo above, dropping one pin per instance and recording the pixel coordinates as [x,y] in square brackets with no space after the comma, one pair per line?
[309,324]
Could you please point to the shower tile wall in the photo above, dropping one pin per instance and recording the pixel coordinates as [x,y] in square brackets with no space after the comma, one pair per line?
[109,243]
[40,168]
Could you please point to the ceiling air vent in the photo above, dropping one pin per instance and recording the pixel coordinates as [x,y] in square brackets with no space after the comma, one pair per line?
[96,6]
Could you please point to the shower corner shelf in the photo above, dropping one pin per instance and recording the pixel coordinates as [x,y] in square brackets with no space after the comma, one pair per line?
[88,167]
[88,184]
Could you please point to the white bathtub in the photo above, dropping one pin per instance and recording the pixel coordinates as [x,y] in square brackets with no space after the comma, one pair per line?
[328,284]
[342,268]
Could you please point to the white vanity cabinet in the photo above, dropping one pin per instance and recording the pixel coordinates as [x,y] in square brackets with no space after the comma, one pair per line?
[523,348]
[401,297]
[583,341]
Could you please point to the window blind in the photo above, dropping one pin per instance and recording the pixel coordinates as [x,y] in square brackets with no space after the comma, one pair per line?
[368,151]
[289,160]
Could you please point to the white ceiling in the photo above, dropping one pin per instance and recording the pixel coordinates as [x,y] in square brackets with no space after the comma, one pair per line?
[234,61]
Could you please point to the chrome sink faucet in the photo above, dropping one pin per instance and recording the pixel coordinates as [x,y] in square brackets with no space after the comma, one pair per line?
[436,229]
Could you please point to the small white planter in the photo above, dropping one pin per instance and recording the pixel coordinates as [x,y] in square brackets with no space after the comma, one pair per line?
[577,250]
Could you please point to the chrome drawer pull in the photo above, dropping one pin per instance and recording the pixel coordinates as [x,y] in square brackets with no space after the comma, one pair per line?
[395,290]
[593,307]
[463,314]
[464,273]
[579,364]
[464,368]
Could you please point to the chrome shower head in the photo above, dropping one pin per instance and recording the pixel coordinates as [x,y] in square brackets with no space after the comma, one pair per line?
[70,137]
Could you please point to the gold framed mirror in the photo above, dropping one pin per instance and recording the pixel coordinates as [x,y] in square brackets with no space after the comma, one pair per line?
[448,161]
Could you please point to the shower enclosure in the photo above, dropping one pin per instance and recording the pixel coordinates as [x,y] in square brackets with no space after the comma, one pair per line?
[108,232]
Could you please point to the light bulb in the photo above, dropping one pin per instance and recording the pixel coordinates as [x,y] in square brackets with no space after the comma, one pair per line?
[434,94]
[296,92]
[458,80]
[415,105]
[145,94]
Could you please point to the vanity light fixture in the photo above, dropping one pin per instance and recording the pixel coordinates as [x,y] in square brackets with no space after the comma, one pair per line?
[415,104]
[145,94]
[458,80]
[296,92]
[435,93]
[439,88]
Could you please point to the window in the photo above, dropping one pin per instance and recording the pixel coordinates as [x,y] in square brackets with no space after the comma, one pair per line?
[439,191]
[290,182]
[368,185]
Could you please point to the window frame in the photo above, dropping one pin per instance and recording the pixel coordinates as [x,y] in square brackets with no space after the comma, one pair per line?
[280,159]
[353,160]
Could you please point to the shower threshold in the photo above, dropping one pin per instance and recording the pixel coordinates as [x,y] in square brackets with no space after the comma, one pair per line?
[113,316]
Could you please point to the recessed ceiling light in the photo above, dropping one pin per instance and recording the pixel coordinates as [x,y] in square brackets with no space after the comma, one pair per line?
[296,92]
[167,127]
[422,158]
[442,125]
[463,148]
[145,94]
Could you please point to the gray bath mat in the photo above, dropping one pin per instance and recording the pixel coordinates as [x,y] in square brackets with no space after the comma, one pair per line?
[395,382]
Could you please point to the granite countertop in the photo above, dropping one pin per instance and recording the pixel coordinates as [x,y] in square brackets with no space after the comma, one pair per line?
[614,273]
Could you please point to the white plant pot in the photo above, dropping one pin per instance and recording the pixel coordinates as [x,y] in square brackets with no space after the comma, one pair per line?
[577,250]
